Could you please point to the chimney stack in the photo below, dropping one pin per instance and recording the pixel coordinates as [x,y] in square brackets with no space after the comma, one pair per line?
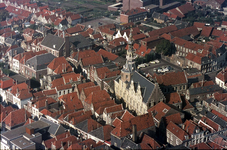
[134,133]
[46,104]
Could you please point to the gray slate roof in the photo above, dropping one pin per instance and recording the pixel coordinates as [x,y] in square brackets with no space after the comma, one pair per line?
[205,89]
[12,134]
[159,16]
[147,87]
[39,62]
[15,51]
[79,41]
[54,129]
[216,119]
[98,133]
[129,144]
[83,125]
[10,41]
[53,42]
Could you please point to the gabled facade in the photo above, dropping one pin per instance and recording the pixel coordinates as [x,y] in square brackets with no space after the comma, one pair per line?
[133,87]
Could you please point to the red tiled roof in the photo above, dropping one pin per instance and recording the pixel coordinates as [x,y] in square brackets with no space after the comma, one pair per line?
[57,82]
[24,94]
[84,54]
[214,145]
[167,36]
[90,89]
[42,103]
[75,29]
[71,77]
[90,31]
[202,83]
[59,64]
[114,108]
[142,122]
[4,30]
[29,31]
[99,107]
[3,23]
[6,82]
[97,96]
[106,131]
[75,17]
[57,22]
[175,118]
[150,142]
[206,31]
[219,115]
[107,54]
[171,78]
[176,12]
[200,146]
[185,31]
[71,101]
[5,111]
[16,117]
[193,58]
[217,33]
[92,60]
[163,30]
[84,85]
[159,110]
[188,105]
[63,87]
[97,36]
[143,50]
[50,92]
[47,143]
[222,75]
[135,31]
[190,127]
[170,15]
[173,98]
[224,23]
[84,34]
[2,5]
[199,24]
[134,11]
[29,121]
[118,42]
[46,112]
[107,31]
[18,87]
[211,125]
[177,131]
[139,37]
[116,122]
[127,116]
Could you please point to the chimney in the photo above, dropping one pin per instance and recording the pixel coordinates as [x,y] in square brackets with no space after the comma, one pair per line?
[3,126]
[46,104]
[30,130]
[67,49]
[68,143]
[134,133]
[183,126]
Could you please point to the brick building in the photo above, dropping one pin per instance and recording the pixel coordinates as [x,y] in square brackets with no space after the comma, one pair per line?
[133,15]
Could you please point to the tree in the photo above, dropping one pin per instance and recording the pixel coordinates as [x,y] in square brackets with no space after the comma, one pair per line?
[165,48]
[3,15]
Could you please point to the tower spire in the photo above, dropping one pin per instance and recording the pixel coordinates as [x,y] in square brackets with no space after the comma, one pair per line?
[129,66]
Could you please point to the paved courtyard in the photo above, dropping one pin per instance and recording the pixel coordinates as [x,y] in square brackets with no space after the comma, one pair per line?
[162,63]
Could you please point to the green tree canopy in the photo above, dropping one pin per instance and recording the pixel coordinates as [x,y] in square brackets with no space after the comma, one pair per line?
[165,48]
[3,15]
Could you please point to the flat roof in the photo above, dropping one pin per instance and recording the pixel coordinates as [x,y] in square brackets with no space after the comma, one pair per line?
[22,142]
[20,131]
